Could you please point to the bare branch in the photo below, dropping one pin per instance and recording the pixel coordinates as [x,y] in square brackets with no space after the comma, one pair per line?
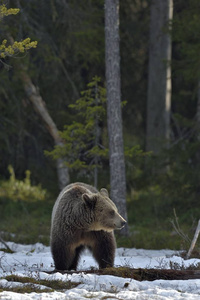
[5,244]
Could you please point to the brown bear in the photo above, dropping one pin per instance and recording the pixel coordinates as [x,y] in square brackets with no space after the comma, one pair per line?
[83,217]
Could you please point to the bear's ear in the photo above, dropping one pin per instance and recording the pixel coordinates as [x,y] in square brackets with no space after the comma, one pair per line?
[104,192]
[90,200]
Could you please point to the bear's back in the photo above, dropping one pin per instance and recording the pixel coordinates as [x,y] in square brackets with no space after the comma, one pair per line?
[82,186]
[71,196]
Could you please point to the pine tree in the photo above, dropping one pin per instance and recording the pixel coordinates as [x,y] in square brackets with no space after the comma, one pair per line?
[82,146]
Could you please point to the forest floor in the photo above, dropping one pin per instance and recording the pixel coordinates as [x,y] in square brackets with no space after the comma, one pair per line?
[26,274]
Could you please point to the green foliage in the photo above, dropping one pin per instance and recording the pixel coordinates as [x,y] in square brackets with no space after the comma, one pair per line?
[21,189]
[136,152]
[16,47]
[83,149]
[4,11]
[85,141]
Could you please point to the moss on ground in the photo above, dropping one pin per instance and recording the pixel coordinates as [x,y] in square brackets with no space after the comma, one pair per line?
[31,285]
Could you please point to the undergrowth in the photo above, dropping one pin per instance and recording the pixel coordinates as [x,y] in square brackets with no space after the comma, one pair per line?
[25,213]
[160,220]
[25,210]
[33,285]
[21,190]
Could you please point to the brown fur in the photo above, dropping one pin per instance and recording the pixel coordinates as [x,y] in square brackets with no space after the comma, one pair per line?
[83,217]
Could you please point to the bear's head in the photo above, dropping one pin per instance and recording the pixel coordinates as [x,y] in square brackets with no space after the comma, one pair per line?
[106,216]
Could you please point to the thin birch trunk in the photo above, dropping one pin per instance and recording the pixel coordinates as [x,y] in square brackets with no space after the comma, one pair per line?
[114,115]
[193,241]
[198,111]
[40,107]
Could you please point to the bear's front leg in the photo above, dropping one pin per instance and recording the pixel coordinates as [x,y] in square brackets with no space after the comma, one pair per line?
[62,254]
[76,258]
[103,248]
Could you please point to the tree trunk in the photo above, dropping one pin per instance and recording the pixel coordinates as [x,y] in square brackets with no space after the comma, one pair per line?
[114,116]
[40,107]
[198,111]
[159,77]
[196,235]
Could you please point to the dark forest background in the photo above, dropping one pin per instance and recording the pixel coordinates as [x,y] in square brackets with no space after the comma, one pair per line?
[163,190]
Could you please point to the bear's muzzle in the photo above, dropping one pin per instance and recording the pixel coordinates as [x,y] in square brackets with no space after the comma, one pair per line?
[120,224]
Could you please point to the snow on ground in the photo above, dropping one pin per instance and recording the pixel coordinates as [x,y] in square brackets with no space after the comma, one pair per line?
[33,260]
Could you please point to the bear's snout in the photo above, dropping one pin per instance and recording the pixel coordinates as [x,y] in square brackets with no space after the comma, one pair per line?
[123,223]
[120,223]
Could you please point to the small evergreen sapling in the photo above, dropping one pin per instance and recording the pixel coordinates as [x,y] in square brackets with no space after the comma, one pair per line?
[83,146]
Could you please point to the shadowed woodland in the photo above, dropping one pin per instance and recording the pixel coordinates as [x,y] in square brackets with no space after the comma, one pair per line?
[53,115]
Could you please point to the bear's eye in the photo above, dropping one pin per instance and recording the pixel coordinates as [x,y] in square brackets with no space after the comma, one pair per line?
[112,213]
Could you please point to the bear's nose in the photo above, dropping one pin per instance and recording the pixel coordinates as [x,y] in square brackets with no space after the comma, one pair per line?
[123,223]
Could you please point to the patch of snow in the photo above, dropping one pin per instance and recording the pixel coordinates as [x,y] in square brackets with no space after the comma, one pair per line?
[33,260]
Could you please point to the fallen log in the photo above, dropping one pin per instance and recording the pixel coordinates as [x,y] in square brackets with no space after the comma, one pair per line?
[140,274]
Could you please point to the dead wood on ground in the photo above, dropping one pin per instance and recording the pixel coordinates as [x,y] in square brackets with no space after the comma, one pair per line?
[140,274]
